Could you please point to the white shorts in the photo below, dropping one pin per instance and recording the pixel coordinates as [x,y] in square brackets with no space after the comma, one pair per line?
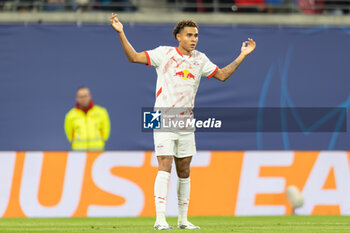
[179,145]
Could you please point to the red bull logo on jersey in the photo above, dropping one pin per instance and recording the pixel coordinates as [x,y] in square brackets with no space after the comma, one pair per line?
[185,74]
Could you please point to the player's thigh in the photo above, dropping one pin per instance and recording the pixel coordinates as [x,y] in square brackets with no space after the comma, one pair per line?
[164,147]
[164,143]
[186,146]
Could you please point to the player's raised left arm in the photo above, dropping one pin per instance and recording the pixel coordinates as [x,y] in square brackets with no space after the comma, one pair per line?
[224,73]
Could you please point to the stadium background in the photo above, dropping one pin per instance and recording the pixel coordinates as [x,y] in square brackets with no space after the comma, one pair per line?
[43,64]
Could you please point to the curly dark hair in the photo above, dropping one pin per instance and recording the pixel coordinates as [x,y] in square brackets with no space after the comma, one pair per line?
[184,23]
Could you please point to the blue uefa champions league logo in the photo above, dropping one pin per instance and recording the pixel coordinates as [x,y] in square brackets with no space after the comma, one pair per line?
[151,120]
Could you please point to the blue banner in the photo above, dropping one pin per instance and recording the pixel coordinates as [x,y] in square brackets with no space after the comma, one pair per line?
[43,65]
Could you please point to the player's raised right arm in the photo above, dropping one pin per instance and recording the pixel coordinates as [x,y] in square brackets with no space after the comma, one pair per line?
[130,52]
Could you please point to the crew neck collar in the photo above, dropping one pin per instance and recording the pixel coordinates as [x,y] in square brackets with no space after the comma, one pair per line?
[182,55]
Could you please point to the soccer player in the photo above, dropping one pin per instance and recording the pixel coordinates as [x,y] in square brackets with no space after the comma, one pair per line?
[179,70]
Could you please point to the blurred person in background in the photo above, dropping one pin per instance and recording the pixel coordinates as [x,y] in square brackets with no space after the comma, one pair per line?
[227,6]
[279,6]
[337,7]
[310,7]
[222,5]
[80,5]
[251,6]
[24,5]
[116,5]
[55,5]
[198,6]
[87,125]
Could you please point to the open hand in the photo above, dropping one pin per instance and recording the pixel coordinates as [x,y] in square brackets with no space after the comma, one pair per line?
[248,46]
[116,24]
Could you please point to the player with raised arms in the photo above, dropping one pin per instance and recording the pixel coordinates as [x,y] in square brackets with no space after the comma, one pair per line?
[179,70]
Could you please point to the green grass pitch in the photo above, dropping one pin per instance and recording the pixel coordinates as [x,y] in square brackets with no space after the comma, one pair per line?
[280,224]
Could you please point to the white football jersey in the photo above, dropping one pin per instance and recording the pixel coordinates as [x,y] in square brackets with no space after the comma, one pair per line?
[178,75]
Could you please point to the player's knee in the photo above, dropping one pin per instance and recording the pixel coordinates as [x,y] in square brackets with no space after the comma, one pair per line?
[183,173]
[165,168]
[165,163]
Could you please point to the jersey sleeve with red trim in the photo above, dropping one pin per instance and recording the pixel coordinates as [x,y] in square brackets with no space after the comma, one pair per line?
[155,56]
[209,69]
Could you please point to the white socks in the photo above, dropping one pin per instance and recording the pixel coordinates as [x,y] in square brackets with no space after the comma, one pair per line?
[160,194]
[183,194]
